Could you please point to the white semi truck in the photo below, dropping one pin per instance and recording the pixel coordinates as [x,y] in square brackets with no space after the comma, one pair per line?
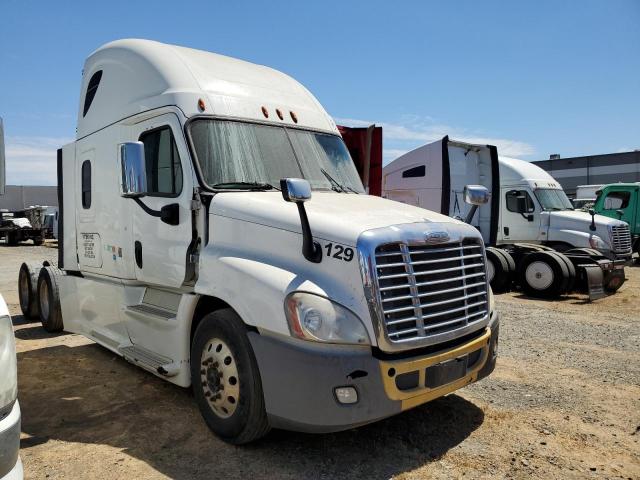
[529,213]
[214,231]
[10,464]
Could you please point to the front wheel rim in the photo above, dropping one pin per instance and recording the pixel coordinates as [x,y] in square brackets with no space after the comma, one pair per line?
[539,275]
[219,378]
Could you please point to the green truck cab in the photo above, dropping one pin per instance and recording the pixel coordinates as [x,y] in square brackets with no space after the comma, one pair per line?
[622,201]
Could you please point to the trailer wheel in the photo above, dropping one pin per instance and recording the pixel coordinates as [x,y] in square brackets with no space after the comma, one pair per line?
[499,269]
[543,275]
[226,380]
[49,299]
[28,289]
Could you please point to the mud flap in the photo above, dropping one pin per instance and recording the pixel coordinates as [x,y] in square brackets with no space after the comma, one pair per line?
[595,282]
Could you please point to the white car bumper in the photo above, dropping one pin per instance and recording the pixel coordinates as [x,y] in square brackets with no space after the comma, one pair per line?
[10,464]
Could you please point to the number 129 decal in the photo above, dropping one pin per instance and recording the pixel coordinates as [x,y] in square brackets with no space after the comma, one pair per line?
[338,251]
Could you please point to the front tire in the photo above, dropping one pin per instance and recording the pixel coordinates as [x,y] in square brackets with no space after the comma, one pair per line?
[226,380]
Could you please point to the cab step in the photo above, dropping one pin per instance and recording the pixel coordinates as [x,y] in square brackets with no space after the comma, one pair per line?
[149,360]
[147,310]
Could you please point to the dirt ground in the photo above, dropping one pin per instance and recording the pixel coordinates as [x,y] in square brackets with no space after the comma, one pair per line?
[564,402]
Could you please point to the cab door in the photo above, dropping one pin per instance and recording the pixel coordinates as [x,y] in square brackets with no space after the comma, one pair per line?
[520,216]
[161,220]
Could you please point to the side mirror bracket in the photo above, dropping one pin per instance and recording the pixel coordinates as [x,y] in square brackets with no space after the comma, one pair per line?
[475,195]
[592,227]
[298,191]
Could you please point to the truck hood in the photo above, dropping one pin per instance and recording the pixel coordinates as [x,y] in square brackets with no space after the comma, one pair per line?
[578,218]
[340,217]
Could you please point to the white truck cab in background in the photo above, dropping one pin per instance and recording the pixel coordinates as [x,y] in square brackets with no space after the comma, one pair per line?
[215,232]
[585,196]
[10,464]
[528,204]
[528,208]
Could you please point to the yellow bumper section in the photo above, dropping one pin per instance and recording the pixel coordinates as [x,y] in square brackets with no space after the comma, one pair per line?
[422,394]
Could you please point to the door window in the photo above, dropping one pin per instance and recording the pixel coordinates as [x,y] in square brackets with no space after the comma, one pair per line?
[164,171]
[512,201]
[617,200]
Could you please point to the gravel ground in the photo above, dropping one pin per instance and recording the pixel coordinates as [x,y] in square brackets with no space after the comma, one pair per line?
[564,402]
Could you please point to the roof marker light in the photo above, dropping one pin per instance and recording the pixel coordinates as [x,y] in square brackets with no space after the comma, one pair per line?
[294,117]
[280,116]
[201,105]
[265,112]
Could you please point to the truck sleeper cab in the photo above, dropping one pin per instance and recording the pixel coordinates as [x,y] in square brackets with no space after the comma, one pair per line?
[214,231]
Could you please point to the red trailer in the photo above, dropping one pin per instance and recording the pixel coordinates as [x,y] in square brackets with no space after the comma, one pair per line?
[365,147]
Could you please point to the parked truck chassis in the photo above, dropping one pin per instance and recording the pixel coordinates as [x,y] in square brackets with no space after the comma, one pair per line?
[541,271]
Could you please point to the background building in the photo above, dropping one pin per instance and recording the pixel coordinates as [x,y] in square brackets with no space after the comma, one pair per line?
[17,197]
[593,169]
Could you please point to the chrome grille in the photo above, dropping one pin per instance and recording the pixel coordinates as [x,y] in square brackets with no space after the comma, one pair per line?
[621,238]
[428,290]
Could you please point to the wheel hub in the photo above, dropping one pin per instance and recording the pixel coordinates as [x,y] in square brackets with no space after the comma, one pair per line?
[219,376]
[539,275]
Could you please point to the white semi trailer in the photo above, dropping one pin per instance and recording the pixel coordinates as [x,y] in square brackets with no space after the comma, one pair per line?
[529,217]
[214,231]
[10,463]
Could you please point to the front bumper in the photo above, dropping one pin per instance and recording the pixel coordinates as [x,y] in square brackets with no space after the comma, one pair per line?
[299,379]
[10,465]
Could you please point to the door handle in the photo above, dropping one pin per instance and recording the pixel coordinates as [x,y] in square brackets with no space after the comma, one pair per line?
[137,250]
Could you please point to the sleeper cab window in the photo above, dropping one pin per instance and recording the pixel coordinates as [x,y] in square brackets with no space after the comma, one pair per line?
[86,184]
[414,172]
[512,201]
[164,172]
[92,88]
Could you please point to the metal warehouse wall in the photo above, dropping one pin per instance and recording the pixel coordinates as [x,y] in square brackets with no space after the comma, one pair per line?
[17,197]
[593,170]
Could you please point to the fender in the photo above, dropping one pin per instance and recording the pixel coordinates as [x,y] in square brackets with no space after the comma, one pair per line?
[575,238]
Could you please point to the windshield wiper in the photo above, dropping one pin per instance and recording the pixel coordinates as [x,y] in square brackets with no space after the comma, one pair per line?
[335,185]
[258,186]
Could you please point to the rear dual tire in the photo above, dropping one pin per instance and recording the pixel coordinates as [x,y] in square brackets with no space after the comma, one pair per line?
[49,299]
[28,289]
[546,274]
[500,269]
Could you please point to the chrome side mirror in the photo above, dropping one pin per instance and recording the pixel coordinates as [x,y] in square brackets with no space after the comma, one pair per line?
[2,168]
[476,194]
[134,172]
[297,190]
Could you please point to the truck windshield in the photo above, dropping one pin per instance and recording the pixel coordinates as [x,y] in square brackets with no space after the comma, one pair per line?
[553,199]
[237,155]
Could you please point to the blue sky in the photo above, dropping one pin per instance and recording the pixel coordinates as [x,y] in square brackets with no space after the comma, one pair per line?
[535,77]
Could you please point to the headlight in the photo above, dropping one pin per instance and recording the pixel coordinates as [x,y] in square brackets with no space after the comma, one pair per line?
[492,301]
[596,242]
[312,317]
[8,372]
